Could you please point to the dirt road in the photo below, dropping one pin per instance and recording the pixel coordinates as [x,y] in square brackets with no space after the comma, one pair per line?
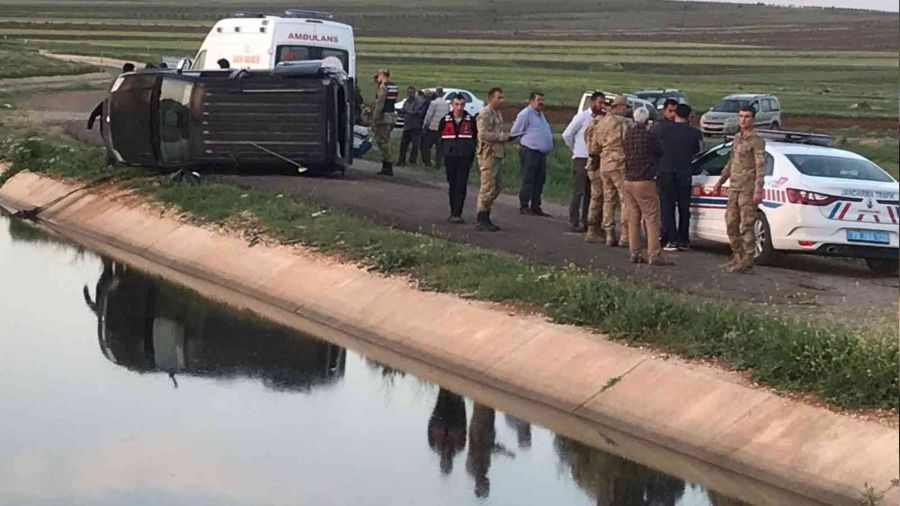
[843,290]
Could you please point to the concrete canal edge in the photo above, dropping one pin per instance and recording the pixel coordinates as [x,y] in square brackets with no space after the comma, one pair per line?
[710,423]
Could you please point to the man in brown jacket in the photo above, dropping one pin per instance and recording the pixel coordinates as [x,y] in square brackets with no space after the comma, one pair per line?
[642,152]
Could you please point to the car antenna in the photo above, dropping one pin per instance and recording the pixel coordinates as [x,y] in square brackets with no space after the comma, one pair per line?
[300,168]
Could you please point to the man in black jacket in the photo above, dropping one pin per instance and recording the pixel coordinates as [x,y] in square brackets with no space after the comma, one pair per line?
[680,142]
[459,135]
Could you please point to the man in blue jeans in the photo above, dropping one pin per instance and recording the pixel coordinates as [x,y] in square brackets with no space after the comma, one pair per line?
[680,142]
[535,141]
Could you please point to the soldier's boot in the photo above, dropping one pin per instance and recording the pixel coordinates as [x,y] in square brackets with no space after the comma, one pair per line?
[744,265]
[481,222]
[490,224]
[611,238]
[734,259]
[593,233]
[387,169]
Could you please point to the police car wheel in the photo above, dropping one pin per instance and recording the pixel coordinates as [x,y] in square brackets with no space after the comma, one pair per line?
[882,265]
[763,253]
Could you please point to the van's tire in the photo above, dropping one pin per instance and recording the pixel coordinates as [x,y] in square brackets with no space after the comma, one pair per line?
[763,252]
[775,126]
[884,266]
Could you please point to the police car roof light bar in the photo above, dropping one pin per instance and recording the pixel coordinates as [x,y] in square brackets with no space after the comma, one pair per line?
[300,13]
[797,137]
[249,15]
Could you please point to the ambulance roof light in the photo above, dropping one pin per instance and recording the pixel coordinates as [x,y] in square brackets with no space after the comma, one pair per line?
[249,15]
[299,13]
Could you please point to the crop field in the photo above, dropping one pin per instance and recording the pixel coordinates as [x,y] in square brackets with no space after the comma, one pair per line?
[808,83]
[615,20]
[820,62]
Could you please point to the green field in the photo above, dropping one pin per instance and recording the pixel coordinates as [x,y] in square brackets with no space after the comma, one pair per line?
[809,82]
[17,63]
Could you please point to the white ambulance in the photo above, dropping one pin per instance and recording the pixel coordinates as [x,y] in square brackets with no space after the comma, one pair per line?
[259,41]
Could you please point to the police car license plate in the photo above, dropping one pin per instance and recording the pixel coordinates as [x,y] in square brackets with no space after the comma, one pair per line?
[868,236]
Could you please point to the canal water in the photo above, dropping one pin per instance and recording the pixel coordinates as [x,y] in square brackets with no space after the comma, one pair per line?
[119,388]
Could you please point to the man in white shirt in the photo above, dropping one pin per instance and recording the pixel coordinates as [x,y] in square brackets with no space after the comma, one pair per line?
[574,137]
[437,109]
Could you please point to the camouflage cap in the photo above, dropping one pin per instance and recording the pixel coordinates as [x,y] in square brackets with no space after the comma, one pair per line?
[619,100]
[386,72]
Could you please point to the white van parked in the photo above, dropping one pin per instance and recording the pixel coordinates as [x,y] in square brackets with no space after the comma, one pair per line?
[258,41]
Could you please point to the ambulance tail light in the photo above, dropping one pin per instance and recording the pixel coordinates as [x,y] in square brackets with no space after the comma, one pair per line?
[809,198]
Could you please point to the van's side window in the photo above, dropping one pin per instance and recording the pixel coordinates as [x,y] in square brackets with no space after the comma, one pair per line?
[303,53]
[336,53]
[293,53]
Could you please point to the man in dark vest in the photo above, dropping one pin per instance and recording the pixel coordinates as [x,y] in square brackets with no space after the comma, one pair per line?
[459,135]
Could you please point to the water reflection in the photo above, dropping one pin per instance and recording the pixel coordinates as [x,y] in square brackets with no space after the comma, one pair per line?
[150,440]
[147,325]
[447,428]
[614,481]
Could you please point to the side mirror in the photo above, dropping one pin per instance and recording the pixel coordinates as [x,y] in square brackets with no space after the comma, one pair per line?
[185,63]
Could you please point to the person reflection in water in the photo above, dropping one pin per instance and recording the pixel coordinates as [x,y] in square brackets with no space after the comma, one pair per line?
[523,431]
[447,428]
[481,444]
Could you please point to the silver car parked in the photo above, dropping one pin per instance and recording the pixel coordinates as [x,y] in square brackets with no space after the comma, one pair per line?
[722,118]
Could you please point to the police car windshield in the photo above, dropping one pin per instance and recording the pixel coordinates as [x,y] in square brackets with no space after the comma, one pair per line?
[838,167]
[730,105]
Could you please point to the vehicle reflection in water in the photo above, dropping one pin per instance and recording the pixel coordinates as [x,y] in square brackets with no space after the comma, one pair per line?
[147,325]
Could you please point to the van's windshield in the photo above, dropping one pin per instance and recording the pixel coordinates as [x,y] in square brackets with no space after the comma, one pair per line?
[289,53]
[730,105]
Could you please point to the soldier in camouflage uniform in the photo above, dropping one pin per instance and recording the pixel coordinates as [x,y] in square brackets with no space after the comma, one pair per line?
[595,200]
[747,170]
[383,118]
[491,139]
[607,149]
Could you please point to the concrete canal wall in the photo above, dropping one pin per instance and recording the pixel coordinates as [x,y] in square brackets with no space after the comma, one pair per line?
[710,424]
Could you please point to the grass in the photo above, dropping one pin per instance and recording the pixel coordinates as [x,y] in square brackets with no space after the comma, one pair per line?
[840,365]
[18,63]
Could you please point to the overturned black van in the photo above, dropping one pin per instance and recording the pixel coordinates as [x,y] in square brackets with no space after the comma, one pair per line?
[297,115]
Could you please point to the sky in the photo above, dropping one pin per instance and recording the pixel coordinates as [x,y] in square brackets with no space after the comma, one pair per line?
[881,5]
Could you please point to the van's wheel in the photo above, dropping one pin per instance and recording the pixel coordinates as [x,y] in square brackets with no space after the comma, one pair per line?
[882,265]
[763,253]
[775,126]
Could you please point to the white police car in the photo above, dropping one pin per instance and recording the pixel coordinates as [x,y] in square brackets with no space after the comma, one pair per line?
[818,200]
